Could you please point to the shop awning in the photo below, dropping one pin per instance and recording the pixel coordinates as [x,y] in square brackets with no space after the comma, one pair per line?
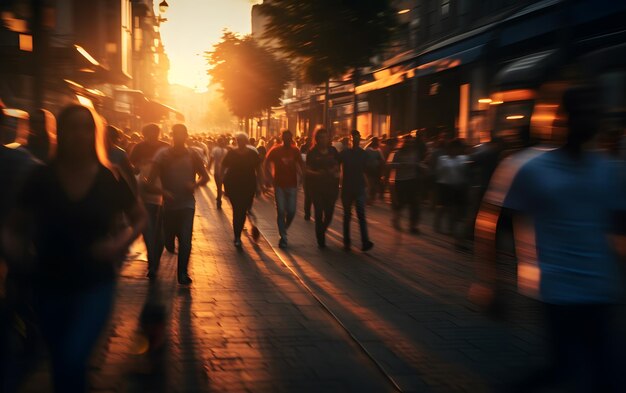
[157,110]
[383,79]
[527,71]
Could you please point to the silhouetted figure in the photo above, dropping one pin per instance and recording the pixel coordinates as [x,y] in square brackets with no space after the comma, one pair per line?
[241,171]
[308,200]
[15,287]
[142,158]
[354,166]
[452,183]
[322,168]
[405,164]
[217,157]
[287,163]
[81,219]
[118,157]
[375,166]
[177,167]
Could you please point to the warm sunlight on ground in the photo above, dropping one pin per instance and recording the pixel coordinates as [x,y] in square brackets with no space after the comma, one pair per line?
[193,27]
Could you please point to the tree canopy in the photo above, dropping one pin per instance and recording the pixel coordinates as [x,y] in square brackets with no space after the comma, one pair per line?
[252,78]
[330,37]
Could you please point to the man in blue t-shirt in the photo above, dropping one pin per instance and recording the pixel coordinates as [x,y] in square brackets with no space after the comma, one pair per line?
[572,203]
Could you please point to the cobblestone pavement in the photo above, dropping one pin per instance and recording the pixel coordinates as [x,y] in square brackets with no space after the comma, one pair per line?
[304,319]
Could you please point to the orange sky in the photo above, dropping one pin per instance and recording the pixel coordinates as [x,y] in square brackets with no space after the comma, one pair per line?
[193,27]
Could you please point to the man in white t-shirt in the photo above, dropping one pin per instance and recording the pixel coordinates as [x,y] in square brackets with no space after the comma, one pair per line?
[217,156]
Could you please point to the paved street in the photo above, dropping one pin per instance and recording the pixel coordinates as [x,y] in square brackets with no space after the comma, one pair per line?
[304,319]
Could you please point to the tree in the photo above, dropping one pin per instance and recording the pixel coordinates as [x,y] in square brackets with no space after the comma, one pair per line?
[252,78]
[330,37]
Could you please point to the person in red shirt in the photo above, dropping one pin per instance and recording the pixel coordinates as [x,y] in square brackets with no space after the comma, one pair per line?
[287,163]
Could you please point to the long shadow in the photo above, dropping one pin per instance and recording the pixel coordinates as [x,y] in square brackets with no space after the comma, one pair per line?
[294,375]
[192,377]
[368,323]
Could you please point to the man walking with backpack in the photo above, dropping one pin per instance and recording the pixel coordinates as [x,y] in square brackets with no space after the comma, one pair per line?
[177,167]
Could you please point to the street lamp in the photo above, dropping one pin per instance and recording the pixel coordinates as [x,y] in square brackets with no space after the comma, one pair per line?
[163,6]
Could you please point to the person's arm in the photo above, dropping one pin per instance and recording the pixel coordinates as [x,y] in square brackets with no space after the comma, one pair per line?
[510,192]
[114,248]
[201,171]
[267,174]
[260,178]
[150,181]
[482,291]
[211,160]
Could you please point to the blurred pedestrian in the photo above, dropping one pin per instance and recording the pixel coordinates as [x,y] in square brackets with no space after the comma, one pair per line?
[569,209]
[142,159]
[323,175]
[287,165]
[242,174]
[80,219]
[452,177]
[118,157]
[308,201]
[17,324]
[353,162]
[217,156]
[177,168]
[405,164]
[375,166]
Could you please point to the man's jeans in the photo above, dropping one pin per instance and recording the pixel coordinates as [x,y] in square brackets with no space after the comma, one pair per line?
[181,224]
[153,236]
[348,199]
[285,208]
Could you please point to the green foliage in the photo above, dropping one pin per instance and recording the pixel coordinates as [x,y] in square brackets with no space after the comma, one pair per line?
[252,78]
[330,37]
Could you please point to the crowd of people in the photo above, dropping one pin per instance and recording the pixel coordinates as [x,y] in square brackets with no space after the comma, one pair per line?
[79,193]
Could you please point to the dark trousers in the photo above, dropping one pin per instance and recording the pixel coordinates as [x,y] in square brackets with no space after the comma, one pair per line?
[308,196]
[169,237]
[406,192]
[180,222]
[348,199]
[153,236]
[586,350]
[71,324]
[219,185]
[241,203]
[324,205]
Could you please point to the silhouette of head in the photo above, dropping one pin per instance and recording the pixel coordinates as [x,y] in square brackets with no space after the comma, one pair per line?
[80,135]
[356,138]
[179,135]
[321,137]
[580,104]
[287,137]
[151,132]
[242,139]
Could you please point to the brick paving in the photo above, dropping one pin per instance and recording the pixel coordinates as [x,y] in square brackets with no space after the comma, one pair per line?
[249,324]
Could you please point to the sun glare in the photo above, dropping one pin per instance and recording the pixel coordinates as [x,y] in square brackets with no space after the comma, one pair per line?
[193,27]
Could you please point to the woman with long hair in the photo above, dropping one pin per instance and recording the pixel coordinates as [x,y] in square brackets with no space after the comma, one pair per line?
[241,171]
[322,168]
[80,218]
